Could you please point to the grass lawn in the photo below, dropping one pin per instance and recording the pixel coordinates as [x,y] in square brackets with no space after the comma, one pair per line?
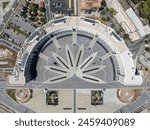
[17,29]
[5,4]
[21,32]
[11,93]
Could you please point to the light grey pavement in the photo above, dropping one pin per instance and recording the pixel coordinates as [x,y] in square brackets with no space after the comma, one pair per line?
[141,103]
[144,61]
[2,26]
[4,108]
[23,24]
[138,50]
[15,4]
[138,104]
[3,85]
[48,10]
[113,85]
[8,16]
[146,83]
[12,105]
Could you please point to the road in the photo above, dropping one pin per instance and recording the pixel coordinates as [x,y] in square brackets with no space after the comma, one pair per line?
[8,16]
[146,81]
[49,15]
[10,45]
[6,70]
[143,101]
[3,85]
[137,48]
[12,105]
[139,104]
[5,109]
[135,106]
[15,4]
[144,62]
[113,85]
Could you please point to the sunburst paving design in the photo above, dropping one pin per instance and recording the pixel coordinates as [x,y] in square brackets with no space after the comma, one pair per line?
[74,66]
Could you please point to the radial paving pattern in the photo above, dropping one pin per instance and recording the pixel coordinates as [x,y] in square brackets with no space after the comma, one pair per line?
[75,52]
[83,61]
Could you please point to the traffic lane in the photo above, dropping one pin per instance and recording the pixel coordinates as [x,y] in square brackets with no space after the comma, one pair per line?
[5,42]
[5,19]
[8,44]
[138,52]
[7,70]
[133,45]
[144,39]
[46,1]
[7,16]
[1,26]
[10,47]
[16,48]
[4,98]
[48,13]
[15,4]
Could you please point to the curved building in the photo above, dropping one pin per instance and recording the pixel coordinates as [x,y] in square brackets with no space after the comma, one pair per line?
[74,52]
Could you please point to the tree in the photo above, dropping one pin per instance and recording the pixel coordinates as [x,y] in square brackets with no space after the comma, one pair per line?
[112,11]
[107,9]
[147,49]
[103,12]
[121,29]
[135,1]
[118,32]
[34,13]
[104,4]
[108,19]
[42,9]
[126,36]
[33,7]
[112,25]
[42,20]
[104,19]
[144,10]
[146,69]
[24,15]
[8,27]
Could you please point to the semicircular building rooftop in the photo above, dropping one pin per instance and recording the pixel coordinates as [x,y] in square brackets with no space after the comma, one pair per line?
[74,52]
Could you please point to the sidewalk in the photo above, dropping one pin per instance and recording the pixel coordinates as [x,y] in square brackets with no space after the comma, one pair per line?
[2,12]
